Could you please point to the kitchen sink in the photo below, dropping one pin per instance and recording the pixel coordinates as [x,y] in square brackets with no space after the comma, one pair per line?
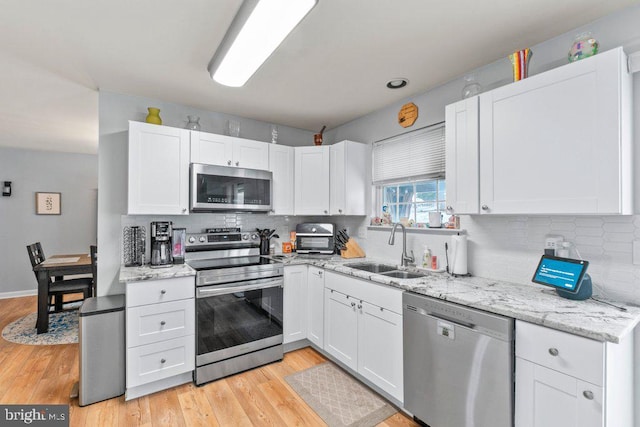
[403,274]
[372,267]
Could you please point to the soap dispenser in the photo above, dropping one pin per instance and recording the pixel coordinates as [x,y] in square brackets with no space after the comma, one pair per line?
[426,257]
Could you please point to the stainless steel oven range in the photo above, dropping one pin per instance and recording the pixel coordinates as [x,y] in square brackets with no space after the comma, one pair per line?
[238,303]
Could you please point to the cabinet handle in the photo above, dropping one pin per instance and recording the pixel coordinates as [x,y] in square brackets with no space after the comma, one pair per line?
[163,360]
[325,211]
[381,309]
[229,162]
[588,394]
[485,207]
[353,304]
[164,291]
[162,323]
[237,163]
[331,290]
[554,352]
[340,210]
[320,273]
[359,306]
[450,208]
[184,210]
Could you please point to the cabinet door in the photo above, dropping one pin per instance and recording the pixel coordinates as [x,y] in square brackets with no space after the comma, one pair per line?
[295,303]
[557,142]
[211,149]
[338,196]
[548,398]
[250,154]
[462,139]
[158,170]
[281,161]
[315,306]
[380,348]
[312,180]
[341,327]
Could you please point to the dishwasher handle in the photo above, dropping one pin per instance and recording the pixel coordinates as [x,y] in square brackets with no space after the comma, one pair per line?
[441,317]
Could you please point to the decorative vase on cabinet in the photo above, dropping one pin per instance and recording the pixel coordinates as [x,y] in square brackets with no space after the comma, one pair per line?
[193,123]
[154,116]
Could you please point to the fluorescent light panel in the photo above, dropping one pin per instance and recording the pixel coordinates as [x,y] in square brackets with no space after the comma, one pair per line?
[267,25]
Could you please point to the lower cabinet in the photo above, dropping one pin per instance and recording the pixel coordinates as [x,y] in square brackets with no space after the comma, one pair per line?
[315,306]
[295,303]
[363,329]
[160,334]
[566,380]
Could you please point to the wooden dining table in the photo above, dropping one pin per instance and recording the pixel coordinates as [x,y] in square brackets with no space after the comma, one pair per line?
[56,266]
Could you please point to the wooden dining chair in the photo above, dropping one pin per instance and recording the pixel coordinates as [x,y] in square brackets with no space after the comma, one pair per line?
[59,288]
[93,251]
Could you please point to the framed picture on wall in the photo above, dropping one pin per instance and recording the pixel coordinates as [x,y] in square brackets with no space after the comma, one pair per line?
[48,203]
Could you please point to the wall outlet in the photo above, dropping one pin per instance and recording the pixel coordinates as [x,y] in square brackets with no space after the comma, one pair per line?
[636,252]
[553,241]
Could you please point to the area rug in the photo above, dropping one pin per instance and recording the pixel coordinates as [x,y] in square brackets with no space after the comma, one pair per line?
[339,399]
[63,329]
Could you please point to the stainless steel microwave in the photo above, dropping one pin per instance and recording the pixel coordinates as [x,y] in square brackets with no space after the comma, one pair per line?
[222,188]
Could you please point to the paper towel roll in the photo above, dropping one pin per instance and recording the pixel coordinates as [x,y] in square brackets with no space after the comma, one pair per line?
[458,254]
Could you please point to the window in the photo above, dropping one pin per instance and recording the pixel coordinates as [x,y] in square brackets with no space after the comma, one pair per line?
[408,172]
[414,200]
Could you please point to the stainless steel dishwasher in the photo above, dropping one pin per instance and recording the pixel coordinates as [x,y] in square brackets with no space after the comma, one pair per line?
[458,364]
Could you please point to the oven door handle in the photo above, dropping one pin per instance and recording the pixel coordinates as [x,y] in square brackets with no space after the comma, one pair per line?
[217,290]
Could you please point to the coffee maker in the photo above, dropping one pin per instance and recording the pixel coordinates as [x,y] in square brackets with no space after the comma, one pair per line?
[161,244]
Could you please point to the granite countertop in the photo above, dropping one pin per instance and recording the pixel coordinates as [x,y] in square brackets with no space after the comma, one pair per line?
[532,303]
[145,272]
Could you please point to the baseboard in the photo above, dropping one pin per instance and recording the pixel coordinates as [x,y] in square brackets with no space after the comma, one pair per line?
[18,294]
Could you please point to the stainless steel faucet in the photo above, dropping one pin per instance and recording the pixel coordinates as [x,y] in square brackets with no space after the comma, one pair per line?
[406,259]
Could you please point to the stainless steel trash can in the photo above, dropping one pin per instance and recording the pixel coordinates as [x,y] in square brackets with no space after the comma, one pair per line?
[102,349]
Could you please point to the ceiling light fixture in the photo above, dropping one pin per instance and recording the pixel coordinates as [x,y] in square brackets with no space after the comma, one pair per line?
[397,83]
[256,31]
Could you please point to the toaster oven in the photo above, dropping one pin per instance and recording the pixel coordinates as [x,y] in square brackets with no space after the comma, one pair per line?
[315,238]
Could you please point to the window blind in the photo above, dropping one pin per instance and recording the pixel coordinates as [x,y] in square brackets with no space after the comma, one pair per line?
[414,155]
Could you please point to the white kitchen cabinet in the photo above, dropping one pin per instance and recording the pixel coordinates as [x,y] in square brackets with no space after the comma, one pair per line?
[315,306]
[281,165]
[295,303]
[223,150]
[559,142]
[350,179]
[567,380]
[462,160]
[160,334]
[312,180]
[363,330]
[341,327]
[158,181]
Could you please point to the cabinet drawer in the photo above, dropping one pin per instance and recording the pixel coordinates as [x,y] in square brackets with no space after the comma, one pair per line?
[165,359]
[381,295]
[158,322]
[570,354]
[155,291]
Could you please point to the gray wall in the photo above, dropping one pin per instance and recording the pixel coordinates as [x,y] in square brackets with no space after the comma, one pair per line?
[115,110]
[73,175]
[508,247]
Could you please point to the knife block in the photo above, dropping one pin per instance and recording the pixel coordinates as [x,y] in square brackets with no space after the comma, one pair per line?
[352,250]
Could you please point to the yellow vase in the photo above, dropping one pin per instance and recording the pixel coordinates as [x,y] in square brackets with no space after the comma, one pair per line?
[154,116]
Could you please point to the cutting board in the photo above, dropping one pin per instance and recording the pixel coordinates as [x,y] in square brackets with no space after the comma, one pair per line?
[352,250]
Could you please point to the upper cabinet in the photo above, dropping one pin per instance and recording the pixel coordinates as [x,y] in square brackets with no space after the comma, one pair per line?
[349,181]
[555,143]
[462,156]
[222,150]
[158,170]
[281,165]
[312,180]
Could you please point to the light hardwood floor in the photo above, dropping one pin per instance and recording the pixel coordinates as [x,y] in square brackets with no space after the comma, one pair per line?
[260,397]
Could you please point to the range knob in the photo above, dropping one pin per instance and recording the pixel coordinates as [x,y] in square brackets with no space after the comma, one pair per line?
[192,239]
[202,239]
[245,236]
[254,237]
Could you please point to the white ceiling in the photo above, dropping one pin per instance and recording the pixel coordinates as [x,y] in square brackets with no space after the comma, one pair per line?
[57,54]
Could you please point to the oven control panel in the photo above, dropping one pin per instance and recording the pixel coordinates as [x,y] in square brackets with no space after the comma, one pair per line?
[222,238]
